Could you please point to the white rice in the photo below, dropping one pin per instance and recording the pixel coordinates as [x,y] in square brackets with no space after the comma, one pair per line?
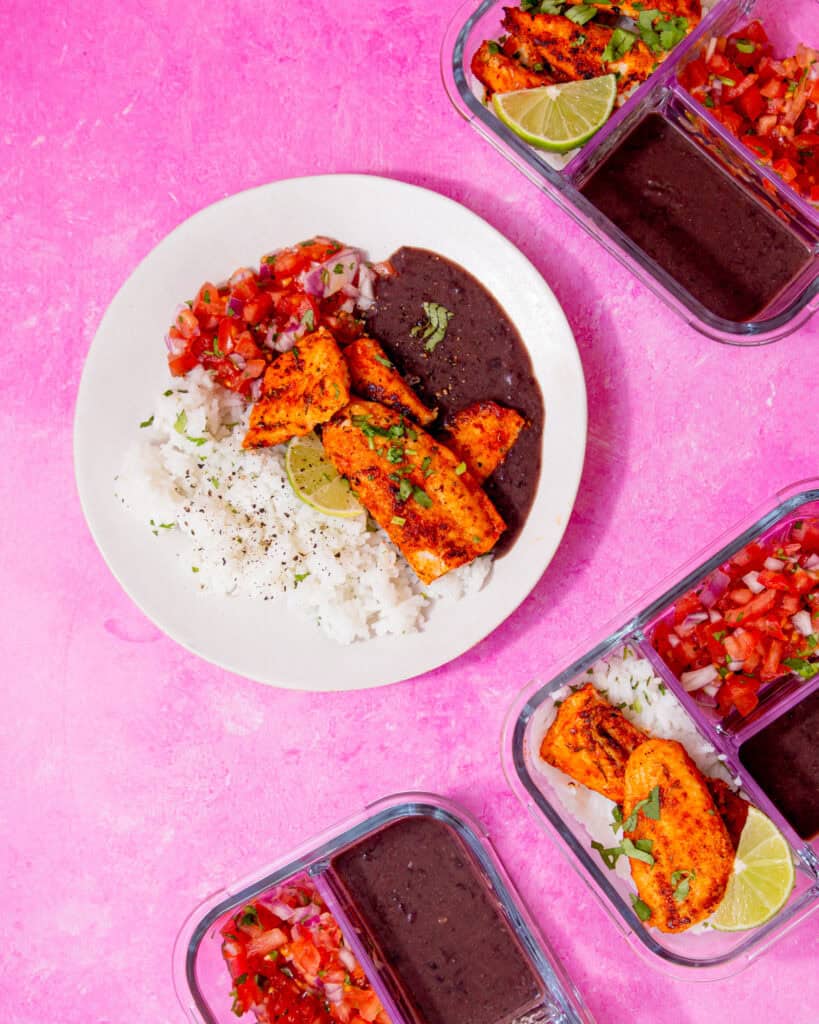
[235,526]
[628,682]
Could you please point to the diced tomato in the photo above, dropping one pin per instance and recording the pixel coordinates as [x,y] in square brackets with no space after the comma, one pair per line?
[755,32]
[688,605]
[758,606]
[785,169]
[762,148]
[729,117]
[182,364]
[774,580]
[772,661]
[751,102]
[695,74]
[741,694]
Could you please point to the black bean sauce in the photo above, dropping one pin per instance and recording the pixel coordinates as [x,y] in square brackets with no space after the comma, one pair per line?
[481,357]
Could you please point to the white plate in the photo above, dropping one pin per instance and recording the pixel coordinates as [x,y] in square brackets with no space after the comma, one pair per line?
[126,368]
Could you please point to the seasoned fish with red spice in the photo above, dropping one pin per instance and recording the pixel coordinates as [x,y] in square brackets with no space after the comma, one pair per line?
[301,389]
[414,487]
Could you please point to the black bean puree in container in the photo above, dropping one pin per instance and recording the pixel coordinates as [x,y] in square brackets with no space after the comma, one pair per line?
[433,920]
[482,357]
[783,757]
[695,220]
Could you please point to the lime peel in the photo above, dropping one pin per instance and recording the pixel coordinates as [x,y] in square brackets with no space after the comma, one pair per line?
[316,481]
[762,879]
[558,117]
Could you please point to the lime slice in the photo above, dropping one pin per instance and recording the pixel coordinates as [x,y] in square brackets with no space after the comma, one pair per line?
[316,480]
[558,117]
[762,879]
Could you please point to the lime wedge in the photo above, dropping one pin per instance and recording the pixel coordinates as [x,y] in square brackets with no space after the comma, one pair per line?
[316,480]
[762,879]
[558,117]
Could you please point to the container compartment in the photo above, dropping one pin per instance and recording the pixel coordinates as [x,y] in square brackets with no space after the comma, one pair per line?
[551,799]
[774,530]
[784,312]
[214,985]
[787,23]
[201,976]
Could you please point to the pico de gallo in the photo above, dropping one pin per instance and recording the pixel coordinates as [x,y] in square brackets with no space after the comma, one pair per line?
[770,105]
[752,621]
[236,329]
[290,964]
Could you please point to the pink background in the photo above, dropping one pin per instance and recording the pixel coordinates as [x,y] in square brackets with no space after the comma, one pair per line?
[136,778]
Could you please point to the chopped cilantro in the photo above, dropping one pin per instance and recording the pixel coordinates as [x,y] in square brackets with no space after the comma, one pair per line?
[619,45]
[460,469]
[581,13]
[682,881]
[493,46]
[398,520]
[148,422]
[309,320]
[805,669]
[641,909]
[300,577]
[434,330]
[181,423]
[384,361]
[404,490]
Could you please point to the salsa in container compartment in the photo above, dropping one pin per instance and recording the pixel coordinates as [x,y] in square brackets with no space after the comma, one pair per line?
[657,179]
[402,915]
[681,819]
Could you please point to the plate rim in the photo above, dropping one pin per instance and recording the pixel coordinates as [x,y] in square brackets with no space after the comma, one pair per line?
[457,648]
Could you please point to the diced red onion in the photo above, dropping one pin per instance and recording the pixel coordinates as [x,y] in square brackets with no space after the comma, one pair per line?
[176,346]
[714,588]
[348,260]
[698,678]
[695,619]
[287,339]
[366,287]
[242,274]
[348,306]
[311,280]
[711,690]
[236,305]
[812,562]
[714,615]
[705,698]
[256,389]
[711,48]
[802,621]
[383,269]
[280,909]
[751,581]
[334,992]
[774,564]
[238,361]
[303,913]
[350,291]
[674,641]
[346,957]
[735,665]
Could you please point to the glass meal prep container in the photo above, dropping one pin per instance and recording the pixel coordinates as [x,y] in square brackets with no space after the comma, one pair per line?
[787,22]
[412,871]
[710,952]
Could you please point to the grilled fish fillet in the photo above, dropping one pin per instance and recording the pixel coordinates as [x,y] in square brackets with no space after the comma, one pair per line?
[439,519]
[301,388]
[498,73]
[373,376]
[691,9]
[591,741]
[570,52]
[482,434]
[689,839]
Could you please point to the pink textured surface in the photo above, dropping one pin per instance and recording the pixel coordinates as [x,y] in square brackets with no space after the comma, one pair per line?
[136,778]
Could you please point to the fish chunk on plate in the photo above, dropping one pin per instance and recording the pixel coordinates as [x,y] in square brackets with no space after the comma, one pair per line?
[374,377]
[431,507]
[482,434]
[301,389]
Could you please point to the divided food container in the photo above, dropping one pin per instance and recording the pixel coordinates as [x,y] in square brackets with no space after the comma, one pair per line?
[787,22]
[201,976]
[712,953]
